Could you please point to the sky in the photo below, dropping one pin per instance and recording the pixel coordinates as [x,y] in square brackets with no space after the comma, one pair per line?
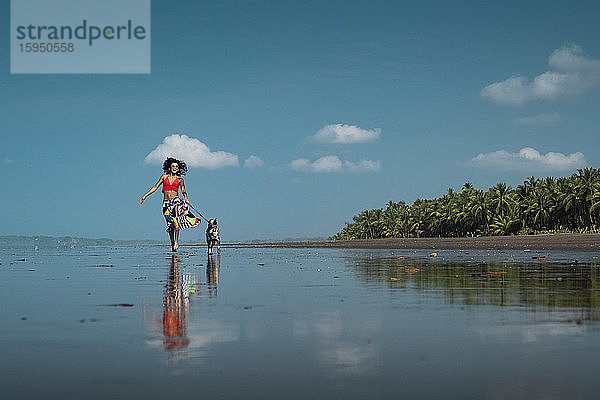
[293,116]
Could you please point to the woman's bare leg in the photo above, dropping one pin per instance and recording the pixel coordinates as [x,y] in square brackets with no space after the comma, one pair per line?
[172,237]
[176,245]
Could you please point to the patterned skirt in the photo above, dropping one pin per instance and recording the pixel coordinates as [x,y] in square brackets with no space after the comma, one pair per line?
[178,216]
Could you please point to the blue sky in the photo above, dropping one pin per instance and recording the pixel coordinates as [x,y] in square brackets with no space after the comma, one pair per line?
[341,106]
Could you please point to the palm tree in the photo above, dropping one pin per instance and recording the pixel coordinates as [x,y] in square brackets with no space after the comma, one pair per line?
[443,214]
[465,220]
[371,223]
[504,225]
[588,185]
[540,207]
[393,217]
[419,212]
[479,210]
[500,198]
[571,203]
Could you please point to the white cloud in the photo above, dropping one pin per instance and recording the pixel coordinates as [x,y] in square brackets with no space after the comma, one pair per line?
[323,164]
[570,58]
[253,162]
[541,120]
[348,357]
[362,166]
[345,134]
[192,151]
[334,164]
[571,74]
[529,159]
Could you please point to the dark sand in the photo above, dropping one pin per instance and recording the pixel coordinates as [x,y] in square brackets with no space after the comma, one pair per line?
[562,241]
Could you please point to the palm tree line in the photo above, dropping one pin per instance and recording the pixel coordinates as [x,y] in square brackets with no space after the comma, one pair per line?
[547,205]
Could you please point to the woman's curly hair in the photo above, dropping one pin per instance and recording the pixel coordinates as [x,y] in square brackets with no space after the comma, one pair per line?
[171,160]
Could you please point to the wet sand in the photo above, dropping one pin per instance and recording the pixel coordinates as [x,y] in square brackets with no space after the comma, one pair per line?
[135,321]
[562,241]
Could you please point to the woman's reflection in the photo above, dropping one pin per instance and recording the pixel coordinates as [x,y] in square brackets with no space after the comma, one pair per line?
[176,302]
[175,308]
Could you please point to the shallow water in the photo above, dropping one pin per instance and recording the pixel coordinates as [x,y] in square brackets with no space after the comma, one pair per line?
[111,322]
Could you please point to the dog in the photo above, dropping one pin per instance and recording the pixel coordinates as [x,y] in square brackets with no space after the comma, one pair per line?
[212,236]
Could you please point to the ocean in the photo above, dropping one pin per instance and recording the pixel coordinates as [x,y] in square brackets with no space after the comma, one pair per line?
[102,320]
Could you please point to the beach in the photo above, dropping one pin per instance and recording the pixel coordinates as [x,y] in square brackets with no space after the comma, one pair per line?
[273,321]
[561,241]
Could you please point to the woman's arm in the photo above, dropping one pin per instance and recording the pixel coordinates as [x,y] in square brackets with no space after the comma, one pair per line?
[153,188]
[183,191]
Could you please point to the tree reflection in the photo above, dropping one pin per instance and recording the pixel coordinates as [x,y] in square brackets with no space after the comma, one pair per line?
[540,286]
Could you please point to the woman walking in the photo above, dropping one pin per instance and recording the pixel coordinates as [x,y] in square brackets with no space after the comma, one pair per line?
[174,209]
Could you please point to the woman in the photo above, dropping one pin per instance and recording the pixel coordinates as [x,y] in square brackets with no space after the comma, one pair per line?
[174,209]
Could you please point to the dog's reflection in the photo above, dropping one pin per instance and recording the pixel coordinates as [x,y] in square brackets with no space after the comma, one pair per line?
[175,308]
[212,273]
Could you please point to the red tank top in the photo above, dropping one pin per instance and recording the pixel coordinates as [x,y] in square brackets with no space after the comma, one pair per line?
[170,186]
